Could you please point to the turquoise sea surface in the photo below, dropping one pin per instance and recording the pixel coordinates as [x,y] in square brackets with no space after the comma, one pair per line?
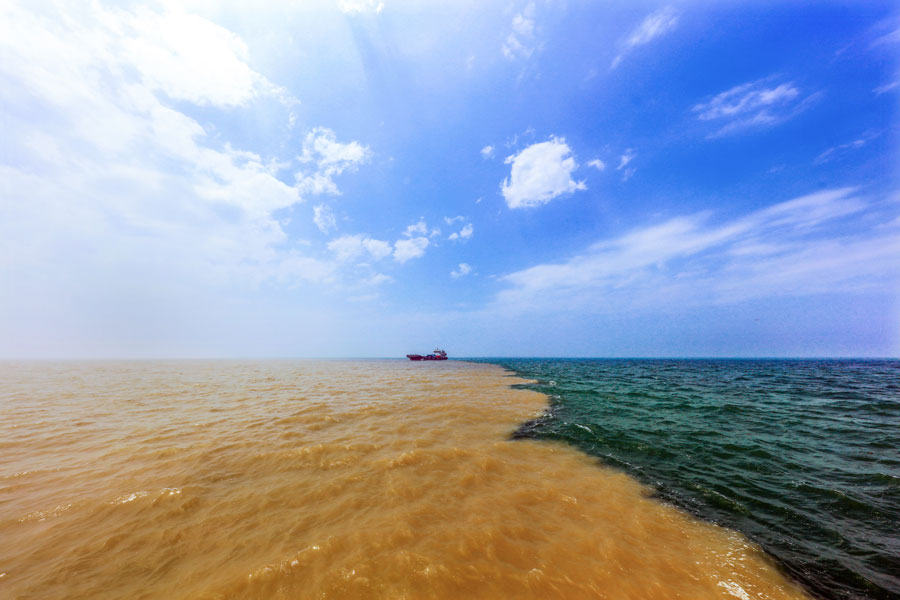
[802,456]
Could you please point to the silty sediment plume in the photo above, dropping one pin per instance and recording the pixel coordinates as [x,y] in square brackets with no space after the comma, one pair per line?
[306,479]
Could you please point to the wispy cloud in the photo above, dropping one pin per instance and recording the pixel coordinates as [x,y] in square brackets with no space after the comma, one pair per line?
[521,42]
[625,160]
[890,40]
[597,164]
[653,26]
[745,98]
[540,173]
[140,177]
[788,249]
[881,89]
[487,152]
[357,7]
[134,193]
[463,270]
[330,158]
[753,105]
[351,247]
[463,234]
[420,227]
[415,242]
[408,249]
[324,219]
[839,151]
[892,37]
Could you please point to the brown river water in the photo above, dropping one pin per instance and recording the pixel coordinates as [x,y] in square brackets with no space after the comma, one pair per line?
[327,479]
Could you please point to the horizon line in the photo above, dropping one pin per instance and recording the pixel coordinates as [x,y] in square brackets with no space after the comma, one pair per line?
[458,358]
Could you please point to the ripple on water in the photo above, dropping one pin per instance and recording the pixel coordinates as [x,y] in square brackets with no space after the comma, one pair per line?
[379,479]
[802,456]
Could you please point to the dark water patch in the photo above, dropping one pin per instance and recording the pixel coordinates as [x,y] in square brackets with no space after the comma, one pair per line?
[803,457]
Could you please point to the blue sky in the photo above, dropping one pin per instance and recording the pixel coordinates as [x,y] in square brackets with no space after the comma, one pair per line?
[521,178]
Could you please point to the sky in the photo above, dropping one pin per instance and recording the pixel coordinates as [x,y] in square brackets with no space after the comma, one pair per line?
[367,178]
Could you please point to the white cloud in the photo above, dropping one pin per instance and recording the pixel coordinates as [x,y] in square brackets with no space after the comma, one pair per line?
[410,248]
[487,152]
[881,89]
[464,269]
[597,164]
[520,43]
[745,98]
[788,249]
[322,147]
[324,219]
[626,158]
[415,243]
[752,105]
[889,38]
[117,172]
[356,7]
[189,58]
[128,209]
[839,151]
[377,248]
[514,141]
[347,247]
[465,233]
[653,26]
[375,280]
[419,228]
[352,247]
[540,173]
[331,158]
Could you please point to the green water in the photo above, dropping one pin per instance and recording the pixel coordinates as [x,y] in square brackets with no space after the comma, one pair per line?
[801,456]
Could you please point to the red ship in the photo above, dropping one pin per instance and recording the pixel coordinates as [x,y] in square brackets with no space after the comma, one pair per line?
[436,355]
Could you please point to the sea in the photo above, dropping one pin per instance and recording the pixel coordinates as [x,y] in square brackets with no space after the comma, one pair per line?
[802,456]
[527,478]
